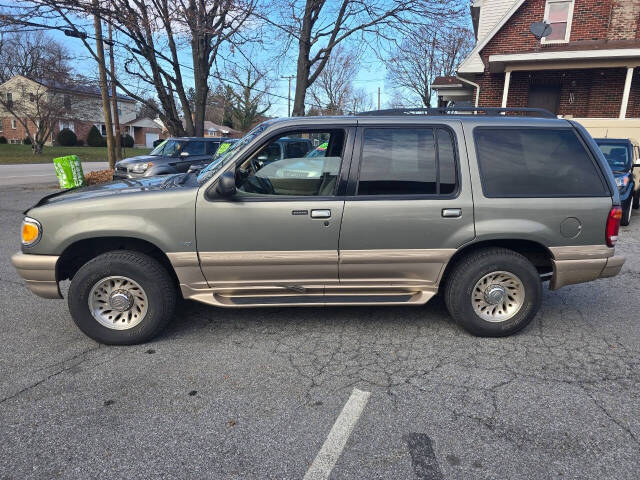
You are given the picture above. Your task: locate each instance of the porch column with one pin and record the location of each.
(505, 93)
(625, 94)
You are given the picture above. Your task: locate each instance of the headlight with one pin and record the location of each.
(31, 231)
(622, 182)
(141, 167)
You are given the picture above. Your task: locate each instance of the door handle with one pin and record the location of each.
(451, 212)
(320, 213)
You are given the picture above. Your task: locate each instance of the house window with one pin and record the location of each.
(13, 124)
(0, 125)
(9, 99)
(69, 124)
(32, 97)
(103, 130)
(67, 102)
(559, 14)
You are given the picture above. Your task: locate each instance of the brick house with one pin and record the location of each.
(80, 108)
(586, 69)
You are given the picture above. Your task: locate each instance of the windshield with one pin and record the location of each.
(617, 154)
(168, 148)
(222, 158)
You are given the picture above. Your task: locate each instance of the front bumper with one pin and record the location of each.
(573, 265)
(39, 273)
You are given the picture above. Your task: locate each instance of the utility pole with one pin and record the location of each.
(378, 98)
(104, 93)
(289, 77)
(114, 98)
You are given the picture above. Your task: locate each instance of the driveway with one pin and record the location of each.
(349, 393)
(38, 173)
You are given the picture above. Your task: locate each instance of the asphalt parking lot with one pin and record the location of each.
(255, 393)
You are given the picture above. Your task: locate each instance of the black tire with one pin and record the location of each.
(468, 271)
(147, 272)
(636, 200)
(626, 213)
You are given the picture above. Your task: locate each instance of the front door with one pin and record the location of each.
(544, 96)
(193, 152)
(281, 229)
(411, 206)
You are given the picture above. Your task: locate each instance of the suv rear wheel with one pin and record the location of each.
(122, 298)
(493, 292)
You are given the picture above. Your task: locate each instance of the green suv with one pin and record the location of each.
(399, 205)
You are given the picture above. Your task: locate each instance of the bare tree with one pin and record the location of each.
(33, 55)
(359, 101)
(423, 56)
(38, 105)
(333, 89)
(317, 27)
(250, 101)
(155, 32)
(39, 70)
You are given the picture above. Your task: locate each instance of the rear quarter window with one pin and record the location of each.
(536, 162)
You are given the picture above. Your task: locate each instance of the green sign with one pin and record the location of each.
(223, 148)
(69, 171)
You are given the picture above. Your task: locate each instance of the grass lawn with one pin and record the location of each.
(22, 153)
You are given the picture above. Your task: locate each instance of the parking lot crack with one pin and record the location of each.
(69, 365)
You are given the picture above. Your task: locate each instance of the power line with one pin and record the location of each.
(73, 32)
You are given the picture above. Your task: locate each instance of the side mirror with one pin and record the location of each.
(226, 184)
(184, 154)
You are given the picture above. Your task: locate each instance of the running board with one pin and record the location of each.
(311, 297)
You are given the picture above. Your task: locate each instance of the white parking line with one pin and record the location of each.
(326, 459)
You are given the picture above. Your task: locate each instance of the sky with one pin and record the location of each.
(371, 75)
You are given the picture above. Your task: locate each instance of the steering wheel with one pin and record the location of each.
(255, 165)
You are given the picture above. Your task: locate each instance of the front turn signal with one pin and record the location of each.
(31, 232)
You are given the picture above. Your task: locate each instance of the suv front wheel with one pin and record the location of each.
(122, 298)
(493, 292)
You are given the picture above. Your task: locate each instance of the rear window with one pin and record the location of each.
(536, 162)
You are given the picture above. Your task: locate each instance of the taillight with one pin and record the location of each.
(613, 226)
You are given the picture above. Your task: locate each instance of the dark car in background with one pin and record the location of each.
(174, 155)
(622, 156)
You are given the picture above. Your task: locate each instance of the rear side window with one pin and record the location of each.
(535, 162)
(407, 161)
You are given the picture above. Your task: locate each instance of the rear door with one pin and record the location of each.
(410, 204)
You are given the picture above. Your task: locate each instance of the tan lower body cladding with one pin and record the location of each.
(573, 265)
(39, 273)
(313, 275)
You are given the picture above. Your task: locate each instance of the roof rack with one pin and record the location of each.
(489, 111)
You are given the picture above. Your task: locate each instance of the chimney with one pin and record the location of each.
(623, 24)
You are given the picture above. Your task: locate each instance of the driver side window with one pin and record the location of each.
(294, 164)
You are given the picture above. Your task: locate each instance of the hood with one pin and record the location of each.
(139, 159)
(120, 187)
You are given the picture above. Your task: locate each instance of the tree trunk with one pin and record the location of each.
(103, 85)
(302, 79)
(114, 100)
